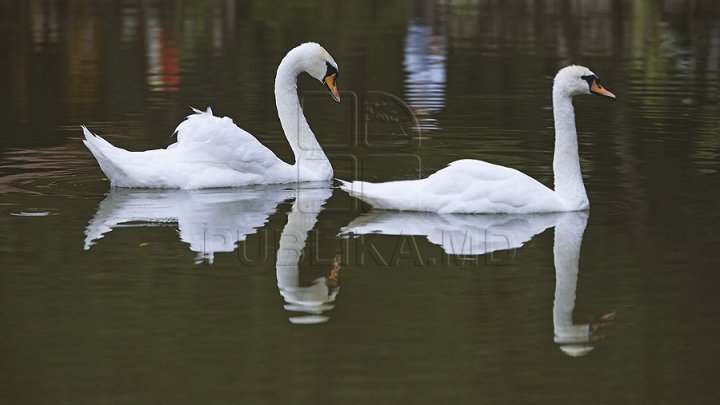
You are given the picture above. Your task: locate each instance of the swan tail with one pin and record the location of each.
(106, 155)
(350, 188)
(379, 195)
(196, 111)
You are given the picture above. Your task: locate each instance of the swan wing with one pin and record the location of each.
(212, 140)
(465, 186)
(210, 152)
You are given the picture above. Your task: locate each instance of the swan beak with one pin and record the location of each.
(330, 82)
(596, 88)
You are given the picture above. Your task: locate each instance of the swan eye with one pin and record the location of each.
(331, 70)
(330, 81)
(590, 79)
(595, 87)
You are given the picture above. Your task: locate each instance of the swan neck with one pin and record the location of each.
(566, 162)
(297, 131)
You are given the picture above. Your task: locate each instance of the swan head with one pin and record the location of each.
(318, 63)
(576, 80)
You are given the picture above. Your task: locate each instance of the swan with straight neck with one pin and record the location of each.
(474, 186)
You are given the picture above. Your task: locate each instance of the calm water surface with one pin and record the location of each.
(139, 296)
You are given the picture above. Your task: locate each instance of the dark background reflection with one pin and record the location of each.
(134, 319)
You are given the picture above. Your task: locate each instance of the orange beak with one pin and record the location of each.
(331, 84)
(598, 89)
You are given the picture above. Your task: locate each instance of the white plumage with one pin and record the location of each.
(214, 152)
(465, 186)
(474, 186)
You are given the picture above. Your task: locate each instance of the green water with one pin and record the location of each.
(122, 296)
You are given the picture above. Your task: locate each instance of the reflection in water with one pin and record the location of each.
(424, 62)
(163, 71)
(210, 221)
(574, 339)
(481, 234)
(216, 220)
(318, 297)
(458, 234)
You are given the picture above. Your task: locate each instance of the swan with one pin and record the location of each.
(213, 152)
(473, 186)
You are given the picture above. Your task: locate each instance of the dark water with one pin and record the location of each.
(122, 296)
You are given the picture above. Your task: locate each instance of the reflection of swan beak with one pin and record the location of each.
(330, 82)
(604, 321)
(596, 88)
(334, 276)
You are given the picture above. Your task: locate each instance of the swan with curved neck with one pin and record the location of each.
(213, 152)
(474, 186)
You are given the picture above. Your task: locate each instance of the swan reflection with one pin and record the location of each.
(482, 234)
(457, 234)
(210, 221)
(215, 220)
(317, 298)
(574, 339)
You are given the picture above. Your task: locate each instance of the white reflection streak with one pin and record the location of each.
(424, 61)
(152, 50)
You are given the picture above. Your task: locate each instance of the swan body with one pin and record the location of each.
(214, 152)
(474, 186)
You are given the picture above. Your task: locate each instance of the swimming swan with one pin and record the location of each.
(474, 186)
(213, 152)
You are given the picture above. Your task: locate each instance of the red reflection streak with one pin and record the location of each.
(169, 62)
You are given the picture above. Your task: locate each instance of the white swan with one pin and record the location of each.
(213, 152)
(474, 186)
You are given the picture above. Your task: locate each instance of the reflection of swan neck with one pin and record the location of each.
(566, 162)
(568, 239)
(317, 297)
(293, 239)
(302, 140)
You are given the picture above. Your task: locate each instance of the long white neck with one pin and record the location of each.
(308, 153)
(566, 163)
